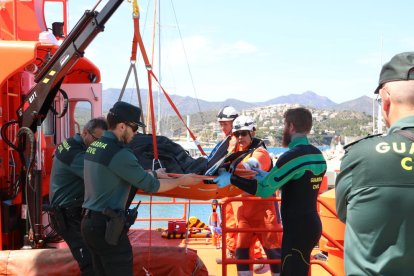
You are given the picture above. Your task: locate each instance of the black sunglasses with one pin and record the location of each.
(134, 126)
(241, 132)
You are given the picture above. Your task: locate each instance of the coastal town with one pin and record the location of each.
(331, 127)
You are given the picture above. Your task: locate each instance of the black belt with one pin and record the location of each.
(91, 213)
(71, 210)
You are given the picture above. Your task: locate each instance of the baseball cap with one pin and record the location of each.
(127, 113)
(399, 68)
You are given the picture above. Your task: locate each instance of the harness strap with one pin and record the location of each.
(178, 114)
(151, 74)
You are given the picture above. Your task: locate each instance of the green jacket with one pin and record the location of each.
(66, 180)
(375, 198)
(110, 170)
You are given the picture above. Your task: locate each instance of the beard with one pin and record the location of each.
(286, 138)
(126, 137)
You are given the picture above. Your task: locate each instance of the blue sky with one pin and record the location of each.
(258, 50)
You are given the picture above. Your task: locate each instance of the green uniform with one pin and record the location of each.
(375, 197)
(66, 196)
(110, 170)
(66, 180)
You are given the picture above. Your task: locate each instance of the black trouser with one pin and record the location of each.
(72, 236)
(300, 235)
(107, 259)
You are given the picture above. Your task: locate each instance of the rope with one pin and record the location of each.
(133, 59)
(150, 235)
(187, 224)
(135, 8)
(178, 114)
(188, 65)
(151, 74)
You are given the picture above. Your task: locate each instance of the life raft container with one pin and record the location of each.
(202, 234)
(178, 228)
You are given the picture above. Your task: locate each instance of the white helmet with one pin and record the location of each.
(227, 113)
(244, 123)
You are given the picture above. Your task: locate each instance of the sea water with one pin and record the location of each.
(172, 211)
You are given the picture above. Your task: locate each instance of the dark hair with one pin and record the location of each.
(94, 123)
(300, 117)
(113, 120)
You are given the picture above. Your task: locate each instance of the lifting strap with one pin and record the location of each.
(138, 39)
(151, 75)
(133, 59)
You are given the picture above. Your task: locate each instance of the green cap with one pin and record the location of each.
(399, 68)
(127, 113)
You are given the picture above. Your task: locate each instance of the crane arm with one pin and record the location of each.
(40, 98)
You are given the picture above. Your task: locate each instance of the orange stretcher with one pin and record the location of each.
(205, 189)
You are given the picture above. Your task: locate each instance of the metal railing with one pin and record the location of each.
(226, 230)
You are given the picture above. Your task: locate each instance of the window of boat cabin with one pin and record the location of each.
(79, 113)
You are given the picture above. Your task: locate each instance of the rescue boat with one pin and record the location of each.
(45, 70)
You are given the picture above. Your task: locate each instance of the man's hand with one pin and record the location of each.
(260, 174)
(188, 179)
(223, 179)
(162, 173)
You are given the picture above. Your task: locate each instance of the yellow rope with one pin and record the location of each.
(135, 7)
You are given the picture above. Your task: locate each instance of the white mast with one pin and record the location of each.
(159, 70)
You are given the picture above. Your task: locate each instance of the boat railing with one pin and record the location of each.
(326, 235)
(225, 230)
(185, 203)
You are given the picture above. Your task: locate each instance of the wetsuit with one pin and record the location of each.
(66, 197)
(110, 170)
(298, 172)
(375, 198)
(255, 214)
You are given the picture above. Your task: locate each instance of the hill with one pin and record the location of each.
(307, 98)
(189, 105)
(361, 104)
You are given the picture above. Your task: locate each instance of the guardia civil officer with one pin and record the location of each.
(375, 188)
(67, 190)
(110, 171)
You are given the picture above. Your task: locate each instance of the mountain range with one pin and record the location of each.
(188, 105)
